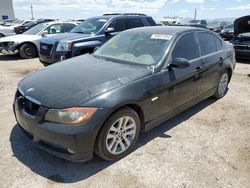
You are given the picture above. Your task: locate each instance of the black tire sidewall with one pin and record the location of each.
(23, 48)
(100, 147)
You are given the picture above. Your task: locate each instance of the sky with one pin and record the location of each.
(82, 9)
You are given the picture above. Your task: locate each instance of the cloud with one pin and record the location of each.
(195, 1)
(241, 7)
(87, 8)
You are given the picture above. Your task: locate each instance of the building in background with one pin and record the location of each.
(6, 10)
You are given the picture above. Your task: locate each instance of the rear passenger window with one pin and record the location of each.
(118, 25)
(208, 43)
(133, 23)
(150, 21)
(68, 27)
(186, 47)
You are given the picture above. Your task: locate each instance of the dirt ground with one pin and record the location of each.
(205, 146)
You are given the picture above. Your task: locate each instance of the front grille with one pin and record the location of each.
(26, 105)
(45, 49)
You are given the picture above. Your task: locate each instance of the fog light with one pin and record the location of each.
(62, 57)
(70, 151)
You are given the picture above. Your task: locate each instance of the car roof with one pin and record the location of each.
(109, 16)
(170, 30)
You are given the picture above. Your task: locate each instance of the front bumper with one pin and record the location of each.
(8, 50)
(74, 143)
(242, 54)
(51, 59)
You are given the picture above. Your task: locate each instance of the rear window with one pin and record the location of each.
(186, 48)
(208, 43)
(150, 21)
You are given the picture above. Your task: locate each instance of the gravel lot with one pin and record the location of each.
(205, 146)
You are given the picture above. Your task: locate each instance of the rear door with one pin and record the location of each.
(181, 85)
(212, 59)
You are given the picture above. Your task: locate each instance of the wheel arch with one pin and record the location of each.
(28, 42)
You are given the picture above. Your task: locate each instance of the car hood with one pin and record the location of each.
(20, 38)
(64, 37)
(77, 80)
(242, 25)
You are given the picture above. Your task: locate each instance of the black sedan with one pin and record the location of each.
(100, 103)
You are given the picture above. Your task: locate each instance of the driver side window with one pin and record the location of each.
(118, 25)
(55, 28)
(186, 47)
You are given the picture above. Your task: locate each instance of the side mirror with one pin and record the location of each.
(44, 33)
(96, 48)
(110, 30)
(179, 63)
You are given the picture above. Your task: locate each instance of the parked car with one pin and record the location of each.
(92, 33)
(227, 32)
(9, 29)
(24, 27)
(27, 44)
(190, 25)
(201, 22)
(140, 78)
(241, 40)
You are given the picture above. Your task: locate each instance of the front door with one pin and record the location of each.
(181, 85)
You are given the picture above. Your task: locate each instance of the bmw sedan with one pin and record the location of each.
(101, 102)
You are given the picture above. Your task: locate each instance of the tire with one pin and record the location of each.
(28, 51)
(120, 141)
(222, 87)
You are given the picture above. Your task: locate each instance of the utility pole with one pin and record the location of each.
(31, 9)
(195, 13)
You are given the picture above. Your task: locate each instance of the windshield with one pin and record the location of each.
(133, 47)
(90, 26)
(36, 29)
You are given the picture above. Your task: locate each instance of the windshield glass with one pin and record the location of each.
(36, 29)
(133, 47)
(90, 26)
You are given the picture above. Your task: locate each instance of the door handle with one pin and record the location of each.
(197, 69)
(221, 61)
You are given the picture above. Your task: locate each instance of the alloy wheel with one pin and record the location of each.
(121, 135)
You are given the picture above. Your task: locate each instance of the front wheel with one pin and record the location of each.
(28, 51)
(222, 87)
(118, 135)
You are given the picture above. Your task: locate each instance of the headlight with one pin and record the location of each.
(63, 46)
(73, 116)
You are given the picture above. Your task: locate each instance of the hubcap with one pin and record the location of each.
(120, 135)
(223, 84)
(28, 51)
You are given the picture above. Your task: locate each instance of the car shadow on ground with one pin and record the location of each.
(59, 170)
(10, 57)
(243, 61)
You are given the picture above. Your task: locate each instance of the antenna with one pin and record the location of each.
(31, 10)
(195, 13)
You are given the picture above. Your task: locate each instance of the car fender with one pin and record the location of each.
(85, 45)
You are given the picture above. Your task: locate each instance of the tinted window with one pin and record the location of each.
(55, 28)
(186, 48)
(132, 23)
(68, 27)
(207, 43)
(151, 21)
(118, 25)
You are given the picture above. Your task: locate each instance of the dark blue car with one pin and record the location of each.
(92, 33)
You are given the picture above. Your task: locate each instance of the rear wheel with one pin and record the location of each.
(28, 51)
(118, 135)
(222, 87)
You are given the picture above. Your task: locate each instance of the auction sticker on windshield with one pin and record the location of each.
(161, 36)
